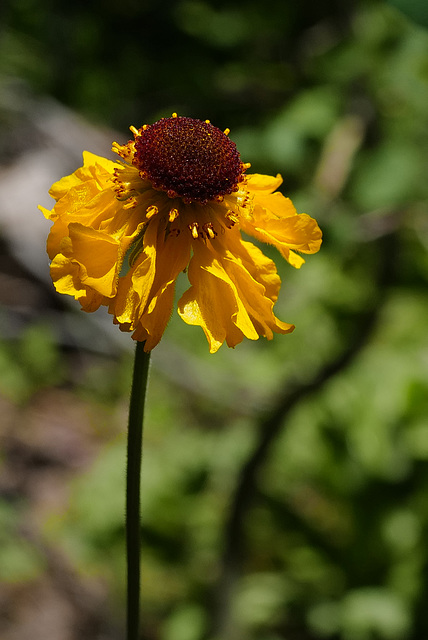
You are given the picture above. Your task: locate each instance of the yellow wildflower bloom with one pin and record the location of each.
(177, 199)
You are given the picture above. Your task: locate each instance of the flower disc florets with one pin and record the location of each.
(188, 158)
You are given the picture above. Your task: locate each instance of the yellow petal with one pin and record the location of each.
(134, 288)
(93, 167)
(92, 300)
(65, 275)
(261, 268)
(84, 204)
(172, 257)
(258, 307)
(132, 291)
(49, 215)
(226, 301)
(289, 233)
(275, 204)
(260, 182)
(300, 233)
(91, 160)
(209, 304)
(293, 258)
(98, 252)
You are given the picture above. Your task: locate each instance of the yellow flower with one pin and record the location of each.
(177, 200)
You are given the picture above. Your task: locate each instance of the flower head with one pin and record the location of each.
(176, 200)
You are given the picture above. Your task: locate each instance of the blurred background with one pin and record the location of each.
(285, 483)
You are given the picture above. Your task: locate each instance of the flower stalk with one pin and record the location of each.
(133, 481)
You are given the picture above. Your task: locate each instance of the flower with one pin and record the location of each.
(176, 200)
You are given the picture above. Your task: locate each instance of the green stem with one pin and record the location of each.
(133, 473)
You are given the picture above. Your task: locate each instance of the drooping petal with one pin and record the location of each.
(66, 276)
(274, 220)
(258, 306)
(211, 304)
(126, 305)
(226, 301)
(257, 284)
(97, 252)
(82, 215)
(172, 257)
(261, 268)
(92, 300)
(134, 288)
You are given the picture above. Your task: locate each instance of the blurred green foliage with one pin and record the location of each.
(334, 96)
(31, 363)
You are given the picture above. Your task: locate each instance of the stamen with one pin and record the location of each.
(125, 151)
(242, 198)
(122, 188)
(226, 132)
(131, 203)
(121, 193)
(134, 130)
(151, 211)
(209, 230)
(173, 214)
(194, 228)
(231, 219)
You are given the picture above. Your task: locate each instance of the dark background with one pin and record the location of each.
(285, 483)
